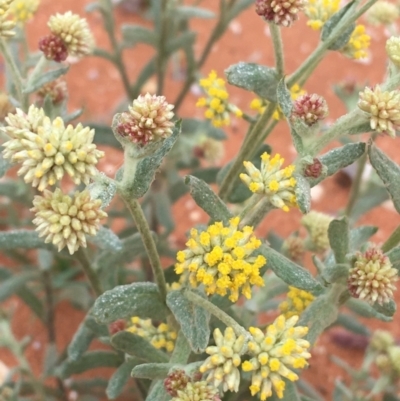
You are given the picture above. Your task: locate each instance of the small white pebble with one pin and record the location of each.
(37, 345)
(236, 27)
(267, 32)
(195, 215)
(388, 205)
(73, 395)
(189, 204)
(317, 192)
(93, 74)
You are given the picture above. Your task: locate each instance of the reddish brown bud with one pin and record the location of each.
(117, 326)
(281, 12)
(177, 380)
(313, 170)
(54, 48)
(310, 108)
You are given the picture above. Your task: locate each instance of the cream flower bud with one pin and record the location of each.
(381, 340)
(74, 32)
(23, 10)
(225, 357)
(6, 24)
(382, 12)
(383, 109)
(148, 120)
(310, 108)
(317, 225)
(393, 50)
(65, 221)
(50, 149)
(197, 391)
(372, 277)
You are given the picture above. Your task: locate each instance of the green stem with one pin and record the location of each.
(278, 48)
(161, 62)
(355, 188)
(254, 218)
(18, 80)
(251, 204)
(392, 241)
(181, 351)
(141, 223)
(91, 275)
(218, 313)
(245, 152)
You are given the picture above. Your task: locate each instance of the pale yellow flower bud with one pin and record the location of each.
(382, 12)
(65, 221)
(6, 24)
(317, 225)
(23, 10)
(393, 50)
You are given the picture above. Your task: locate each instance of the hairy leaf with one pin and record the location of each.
(134, 34)
(303, 194)
(80, 342)
(284, 98)
(119, 378)
(365, 310)
(338, 233)
(106, 239)
(188, 12)
(152, 371)
(37, 82)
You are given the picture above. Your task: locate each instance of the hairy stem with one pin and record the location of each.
(254, 218)
(17, 77)
(217, 312)
(392, 241)
(245, 152)
(278, 48)
(91, 275)
(141, 223)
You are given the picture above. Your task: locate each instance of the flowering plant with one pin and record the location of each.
(184, 322)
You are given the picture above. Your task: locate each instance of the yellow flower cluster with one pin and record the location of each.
(276, 183)
(296, 303)
(260, 105)
(218, 107)
(221, 259)
(222, 364)
(23, 10)
(160, 337)
(319, 11)
(358, 44)
(273, 352)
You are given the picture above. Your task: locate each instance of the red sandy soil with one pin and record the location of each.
(94, 84)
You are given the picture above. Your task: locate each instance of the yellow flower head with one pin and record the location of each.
(160, 337)
(224, 360)
(296, 303)
(358, 44)
(260, 105)
(281, 347)
(23, 10)
(272, 181)
(216, 102)
(319, 11)
(221, 259)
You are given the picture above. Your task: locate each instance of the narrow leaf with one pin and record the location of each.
(284, 98)
(188, 12)
(205, 197)
(49, 76)
(351, 323)
(194, 320)
(338, 233)
(389, 173)
(119, 378)
(365, 310)
(256, 78)
(125, 301)
(158, 393)
(80, 342)
(15, 283)
(152, 371)
(134, 34)
(303, 194)
(135, 345)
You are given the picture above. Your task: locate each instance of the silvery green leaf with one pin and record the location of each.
(147, 167)
(158, 393)
(15, 283)
(93, 7)
(331, 24)
(389, 173)
(297, 141)
(365, 310)
(135, 345)
(360, 128)
(387, 309)
(119, 378)
(334, 273)
(372, 196)
(37, 82)
(303, 193)
(351, 323)
(80, 342)
(100, 330)
(102, 188)
(339, 158)
(289, 272)
(194, 320)
(341, 392)
(259, 79)
(50, 359)
(72, 116)
(106, 239)
(125, 301)
(205, 198)
(163, 211)
(338, 233)
(319, 315)
(134, 34)
(188, 12)
(284, 98)
(360, 235)
(90, 360)
(4, 164)
(152, 371)
(25, 239)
